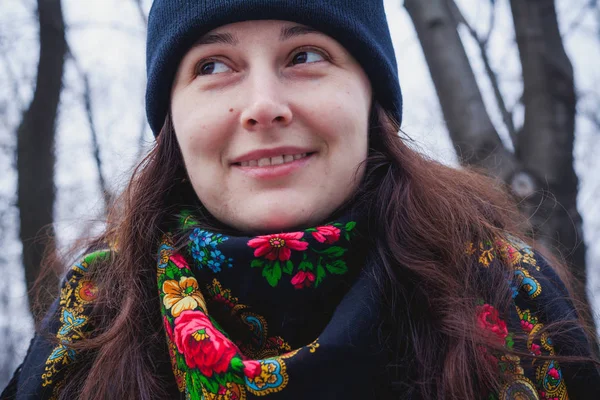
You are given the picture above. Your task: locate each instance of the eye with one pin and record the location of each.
(307, 56)
(211, 67)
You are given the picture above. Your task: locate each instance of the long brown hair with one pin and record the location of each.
(421, 214)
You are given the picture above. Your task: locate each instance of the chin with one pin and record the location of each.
(276, 219)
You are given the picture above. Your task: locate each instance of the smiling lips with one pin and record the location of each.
(273, 164)
(269, 161)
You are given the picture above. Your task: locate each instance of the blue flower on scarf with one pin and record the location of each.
(203, 247)
(206, 239)
(199, 253)
(217, 259)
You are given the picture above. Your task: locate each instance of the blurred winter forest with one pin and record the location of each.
(510, 86)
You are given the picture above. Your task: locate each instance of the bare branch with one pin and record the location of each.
(89, 110)
(492, 23)
(113, 26)
(591, 115)
(590, 5)
(598, 20)
(473, 135)
(140, 9)
(482, 43)
(87, 98)
(12, 77)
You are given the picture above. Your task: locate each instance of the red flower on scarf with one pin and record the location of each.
(252, 368)
(179, 261)
(327, 233)
(277, 246)
(526, 325)
(202, 345)
(303, 279)
(488, 319)
(168, 327)
(545, 396)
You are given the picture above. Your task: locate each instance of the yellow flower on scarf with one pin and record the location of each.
(183, 295)
(266, 376)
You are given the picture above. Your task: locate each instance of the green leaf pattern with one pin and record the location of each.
(316, 263)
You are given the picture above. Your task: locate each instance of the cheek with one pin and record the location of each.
(344, 108)
(349, 140)
(345, 130)
(202, 131)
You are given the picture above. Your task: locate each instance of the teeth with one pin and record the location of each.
(277, 160)
(263, 162)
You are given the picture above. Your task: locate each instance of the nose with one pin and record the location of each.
(266, 108)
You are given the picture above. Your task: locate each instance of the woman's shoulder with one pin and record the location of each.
(50, 353)
(531, 275)
(539, 295)
(90, 257)
(78, 288)
(542, 323)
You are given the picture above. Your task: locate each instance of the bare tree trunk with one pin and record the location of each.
(545, 145)
(35, 142)
(541, 170)
(474, 137)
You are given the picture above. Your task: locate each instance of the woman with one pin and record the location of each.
(281, 239)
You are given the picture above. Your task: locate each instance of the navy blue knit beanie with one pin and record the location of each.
(359, 25)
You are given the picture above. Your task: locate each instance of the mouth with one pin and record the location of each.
(274, 161)
(276, 167)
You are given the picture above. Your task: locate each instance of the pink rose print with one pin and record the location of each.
(526, 325)
(201, 344)
(488, 319)
(278, 246)
(545, 396)
(252, 369)
(221, 299)
(179, 261)
(553, 372)
(168, 328)
(327, 234)
(536, 349)
(303, 279)
(87, 291)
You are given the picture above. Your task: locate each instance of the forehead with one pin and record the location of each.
(232, 33)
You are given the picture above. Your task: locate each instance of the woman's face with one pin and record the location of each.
(272, 121)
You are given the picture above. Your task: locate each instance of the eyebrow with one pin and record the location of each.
(287, 32)
(223, 38)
